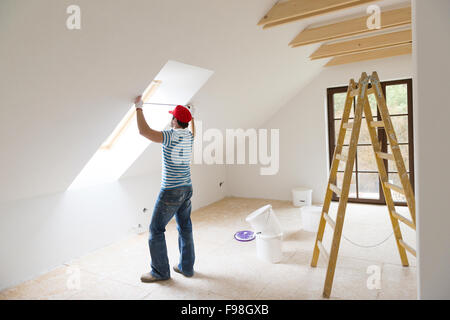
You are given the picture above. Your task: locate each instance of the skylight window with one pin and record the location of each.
(176, 83)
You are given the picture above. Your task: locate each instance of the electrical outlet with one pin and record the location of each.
(139, 229)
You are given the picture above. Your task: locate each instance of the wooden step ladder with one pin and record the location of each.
(361, 91)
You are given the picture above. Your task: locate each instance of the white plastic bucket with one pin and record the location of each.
(265, 221)
(301, 196)
(311, 217)
(269, 247)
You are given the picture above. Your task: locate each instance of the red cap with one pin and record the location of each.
(181, 113)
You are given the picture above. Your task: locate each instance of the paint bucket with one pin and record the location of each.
(269, 247)
(264, 221)
(301, 197)
(268, 234)
(311, 217)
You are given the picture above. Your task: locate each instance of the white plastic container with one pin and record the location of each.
(269, 247)
(269, 234)
(265, 221)
(301, 196)
(311, 217)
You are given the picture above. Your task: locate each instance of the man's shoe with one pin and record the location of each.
(175, 268)
(148, 277)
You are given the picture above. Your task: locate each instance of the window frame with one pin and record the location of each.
(381, 136)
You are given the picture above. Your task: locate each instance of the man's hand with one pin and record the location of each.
(138, 103)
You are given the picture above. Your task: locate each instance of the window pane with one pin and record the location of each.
(339, 104)
(400, 125)
(343, 163)
(404, 149)
(395, 179)
(352, 110)
(366, 159)
(337, 126)
(397, 98)
(373, 105)
(348, 133)
(364, 136)
(368, 186)
(352, 192)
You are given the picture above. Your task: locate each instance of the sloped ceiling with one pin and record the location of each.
(63, 91)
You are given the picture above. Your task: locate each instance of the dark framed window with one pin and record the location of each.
(365, 185)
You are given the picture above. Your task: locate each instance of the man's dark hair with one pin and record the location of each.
(184, 125)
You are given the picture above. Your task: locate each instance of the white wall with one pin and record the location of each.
(64, 91)
(303, 134)
(431, 22)
(40, 233)
(67, 89)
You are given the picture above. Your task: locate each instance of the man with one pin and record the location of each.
(174, 197)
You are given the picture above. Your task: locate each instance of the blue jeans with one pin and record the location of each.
(172, 202)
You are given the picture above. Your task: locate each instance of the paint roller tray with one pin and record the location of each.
(244, 235)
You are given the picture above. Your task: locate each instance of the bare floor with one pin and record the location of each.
(367, 267)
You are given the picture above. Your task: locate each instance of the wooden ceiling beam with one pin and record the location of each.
(371, 55)
(339, 30)
(293, 10)
(363, 44)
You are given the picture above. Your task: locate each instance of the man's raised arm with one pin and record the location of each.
(144, 129)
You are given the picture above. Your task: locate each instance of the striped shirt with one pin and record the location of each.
(177, 154)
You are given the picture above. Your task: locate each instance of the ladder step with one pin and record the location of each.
(329, 220)
(348, 125)
(323, 251)
(407, 247)
(335, 189)
(394, 187)
(384, 155)
(371, 90)
(341, 157)
(404, 220)
(375, 124)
